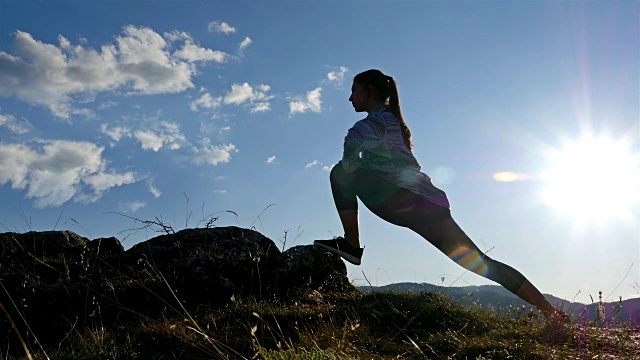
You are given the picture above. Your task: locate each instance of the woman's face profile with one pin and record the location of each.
(359, 97)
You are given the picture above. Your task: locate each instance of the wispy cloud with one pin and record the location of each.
(312, 164)
(152, 132)
(206, 101)
(317, 163)
(337, 76)
(132, 206)
(107, 105)
(208, 154)
(312, 102)
(20, 127)
(221, 27)
(103, 181)
(271, 159)
(153, 189)
(16, 126)
(261, 107)
(245, 43)
(116, 133)
(6, 118)
(159, 135)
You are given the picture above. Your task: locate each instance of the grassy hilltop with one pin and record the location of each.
(104, 303)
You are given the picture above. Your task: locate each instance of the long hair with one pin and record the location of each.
(388, 92)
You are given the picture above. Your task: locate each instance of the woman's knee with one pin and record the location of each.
(338, 176)
(336, 171)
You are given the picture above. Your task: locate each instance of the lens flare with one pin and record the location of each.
(507, 176)
(469, 259)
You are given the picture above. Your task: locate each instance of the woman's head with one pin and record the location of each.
(376, 83)
(383, 89)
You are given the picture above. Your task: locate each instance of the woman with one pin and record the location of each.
(378, 167)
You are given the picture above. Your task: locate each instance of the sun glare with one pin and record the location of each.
(593, 179)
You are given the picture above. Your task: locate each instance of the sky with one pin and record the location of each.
(525, 113)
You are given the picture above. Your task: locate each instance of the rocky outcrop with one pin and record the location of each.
(51, 280)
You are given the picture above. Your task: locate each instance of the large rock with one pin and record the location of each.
(56, 277)
(43, 243)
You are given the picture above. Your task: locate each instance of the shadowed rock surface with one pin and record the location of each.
(56, 279)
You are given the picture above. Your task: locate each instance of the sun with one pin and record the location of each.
(595, 178)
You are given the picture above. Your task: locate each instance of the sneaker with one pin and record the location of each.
(341, 247)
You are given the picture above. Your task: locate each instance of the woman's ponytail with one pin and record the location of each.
(388, 91)
(394, 108)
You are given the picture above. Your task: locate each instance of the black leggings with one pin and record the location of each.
(394, 204)
(433, 222)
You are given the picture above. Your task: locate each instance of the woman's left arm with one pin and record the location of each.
(366, 134)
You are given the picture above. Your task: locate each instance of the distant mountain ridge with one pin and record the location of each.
(498, 298)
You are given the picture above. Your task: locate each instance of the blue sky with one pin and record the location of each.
(183, 110)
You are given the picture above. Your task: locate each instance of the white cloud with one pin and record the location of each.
(160, 134)
(337, 76)
(151, 132)
(271, 159)
(154, 190)
(139, 62)
(245, 43)
(64, 43)
(326, 168)
(261, 107)
(176, 36)
(115, 133)
(221, 27)
(212, 154)
(220, 191)
(312, 102)
(133, 206)
(312, 164)
(240, 94)
(65, 110)
(206, 101)
(149, 139)
(246, 94)
(192, 53)
(102, 181)
(52, 172)
(145, 60)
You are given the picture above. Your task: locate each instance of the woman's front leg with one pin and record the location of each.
(345, 199)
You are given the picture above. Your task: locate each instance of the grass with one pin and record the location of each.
(376, 325)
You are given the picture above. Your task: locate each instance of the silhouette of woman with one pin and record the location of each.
(378, 167)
